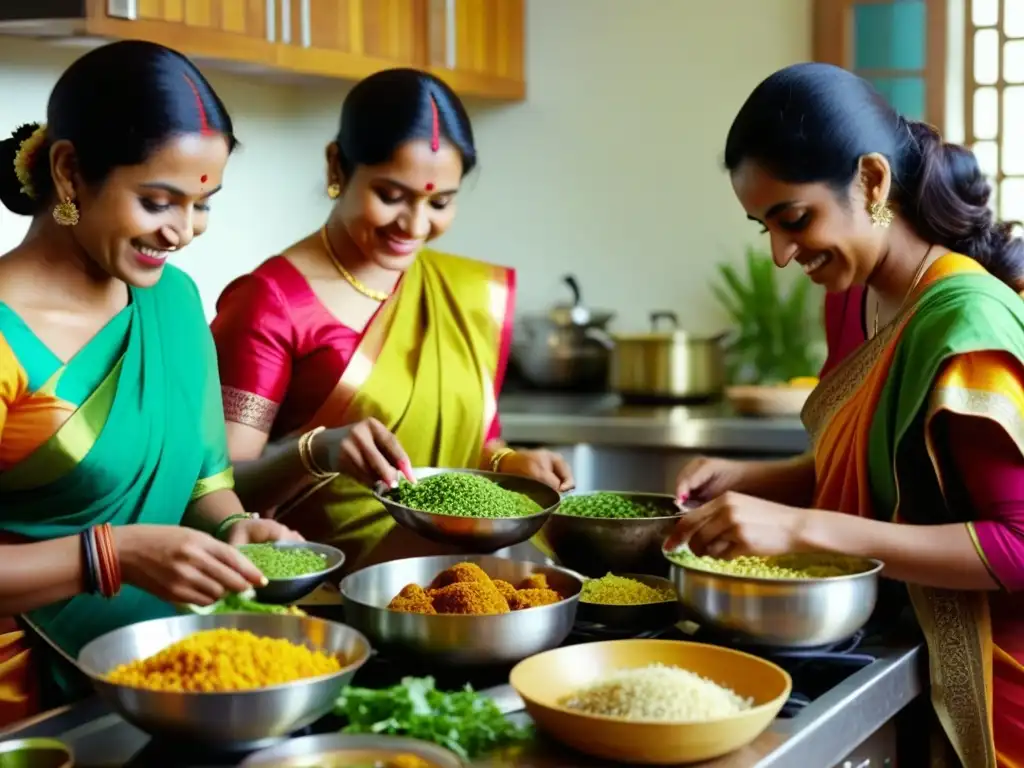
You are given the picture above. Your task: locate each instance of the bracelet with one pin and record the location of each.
(307, 459)
(500, 456)
(92, 583)
(109, 563)
(220, 532)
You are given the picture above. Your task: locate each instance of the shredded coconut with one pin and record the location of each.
(657, 692)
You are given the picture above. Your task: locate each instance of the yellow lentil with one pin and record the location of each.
(620, 590)
(778, 567)
(224, 660)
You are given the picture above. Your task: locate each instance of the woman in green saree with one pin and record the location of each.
(113, 458)
(918, 423)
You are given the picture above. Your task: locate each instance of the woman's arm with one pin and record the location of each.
(40, 573)
(270, 474)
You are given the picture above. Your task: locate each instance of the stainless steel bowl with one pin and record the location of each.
(786, 613)
(242, 719)
(35, 753)
(595, 546)
(330, 748)
(455, 639)
(636, 617)
(476, 534)
(284, 591)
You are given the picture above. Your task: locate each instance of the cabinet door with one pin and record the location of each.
(236, 30)
(478, 45)
(899, 45)
(352, 38)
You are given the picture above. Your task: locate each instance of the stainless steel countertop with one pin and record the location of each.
(551, 419)
(822, 733)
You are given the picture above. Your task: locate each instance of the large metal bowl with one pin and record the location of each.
(285, 591)
(458, 639)
(475, 534)
(595, 546)
(783, 613)
(237, 720)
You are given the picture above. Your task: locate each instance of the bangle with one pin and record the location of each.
(221, 531)
(307, 459)
(109, 563)
(92, 584)
(498, 457)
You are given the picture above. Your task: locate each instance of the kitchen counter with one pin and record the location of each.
(820, 735)
(604, 420)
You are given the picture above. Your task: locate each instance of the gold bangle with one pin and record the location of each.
(306, 456)
(500, 456)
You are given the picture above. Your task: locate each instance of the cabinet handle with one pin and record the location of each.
(123, 9)
(449, 34)
(271, 20)
(286, 21)
(305, 26)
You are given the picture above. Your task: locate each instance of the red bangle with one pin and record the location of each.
(110, 565)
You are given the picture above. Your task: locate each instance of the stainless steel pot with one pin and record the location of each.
(672, 365)
(565, 348)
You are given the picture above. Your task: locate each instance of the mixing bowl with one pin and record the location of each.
(787, 613)
(635, 617)
(35, 753)
(285, 591)
(476, 534)
(595, 546)
(354, 751)
(502, 638)
(543, 680)
(241, 719)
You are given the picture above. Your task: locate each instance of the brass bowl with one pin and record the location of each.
(543, 680)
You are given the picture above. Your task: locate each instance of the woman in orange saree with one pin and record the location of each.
(918, 434)
(398, 350)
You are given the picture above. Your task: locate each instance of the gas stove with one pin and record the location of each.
(101, 739)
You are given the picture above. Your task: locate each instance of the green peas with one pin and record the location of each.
(284, 562)
(463, 495)
(609, 505)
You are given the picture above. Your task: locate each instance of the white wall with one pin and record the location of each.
(610, 169)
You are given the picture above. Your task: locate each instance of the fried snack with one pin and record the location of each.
(412, 599)
(459, 573)
(469, 597)
(533, 598)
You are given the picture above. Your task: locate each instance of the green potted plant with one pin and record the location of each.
(778, 334)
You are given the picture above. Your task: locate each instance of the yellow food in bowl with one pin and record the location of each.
(218, 660)
(778, 567)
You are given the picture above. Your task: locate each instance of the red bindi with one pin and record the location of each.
(430, 186)
(203, 178)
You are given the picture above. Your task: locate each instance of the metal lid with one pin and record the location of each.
(674, 334)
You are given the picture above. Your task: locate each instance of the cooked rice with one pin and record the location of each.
(657, 692)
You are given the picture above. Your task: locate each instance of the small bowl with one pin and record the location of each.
(481, 535)
(458, 640)
(35, 753)
(638, 617)
(595, 546)
(543, 680)
(230, 720)
(285, 591)
(339, 749)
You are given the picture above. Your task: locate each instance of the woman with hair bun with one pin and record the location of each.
(114, 466)
(359, 351)
(918, 423)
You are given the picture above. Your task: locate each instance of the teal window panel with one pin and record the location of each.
(906, 94)
(890, 35)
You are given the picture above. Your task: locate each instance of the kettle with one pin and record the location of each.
(566, 348)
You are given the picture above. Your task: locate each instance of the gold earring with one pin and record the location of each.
(334, 190)
(66, 213)
(881, 214)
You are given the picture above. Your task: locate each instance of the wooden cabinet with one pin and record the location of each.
(475, 45)
(899, 45)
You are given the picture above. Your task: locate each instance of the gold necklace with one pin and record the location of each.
(349, 277)
(917, 278)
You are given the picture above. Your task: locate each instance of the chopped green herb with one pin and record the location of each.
(465, 722)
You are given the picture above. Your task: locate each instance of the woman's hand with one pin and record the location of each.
(705, 478)
(258, 530)
(182, 565)
(546, 466)
(734, 525)
(366, 450)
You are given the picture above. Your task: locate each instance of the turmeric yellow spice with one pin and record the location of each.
(224, 660)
